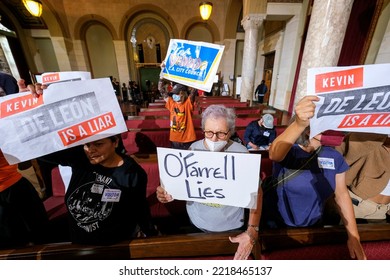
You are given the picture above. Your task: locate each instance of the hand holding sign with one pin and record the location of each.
(305, 110)
(162, 195)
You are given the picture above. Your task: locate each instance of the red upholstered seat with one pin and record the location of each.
(375, 250)
(55, 205)
(145, 141)
(280, 129)
(265, 168)
(159, 210)
(147, 123)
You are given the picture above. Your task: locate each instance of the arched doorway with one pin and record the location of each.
(148, 38)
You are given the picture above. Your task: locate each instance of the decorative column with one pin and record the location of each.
(328, 23)
(251, 24)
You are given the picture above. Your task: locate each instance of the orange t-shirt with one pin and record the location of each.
(182, 126)
(9, 174)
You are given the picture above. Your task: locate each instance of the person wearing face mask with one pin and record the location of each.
(368, 179)
(218, 123)
(306, 174)
(181, 107)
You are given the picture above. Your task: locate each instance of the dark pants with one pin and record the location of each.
(180, 145)
(260, 99)
(23, 218)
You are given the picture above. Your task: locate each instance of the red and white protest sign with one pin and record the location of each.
(66, 115)
(355, 98)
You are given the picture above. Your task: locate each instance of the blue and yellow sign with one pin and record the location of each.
(192, 63)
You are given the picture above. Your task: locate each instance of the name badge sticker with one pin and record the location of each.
(111, 195)
(326, 163)
(97, 188)
(266, 133)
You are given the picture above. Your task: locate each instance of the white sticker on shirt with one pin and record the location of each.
(326, 163)
(97, 188)
(266, 133)
(110, 195)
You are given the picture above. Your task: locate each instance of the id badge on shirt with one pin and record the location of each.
(111, 195)
(266, 133)
(97, 188)
(326, 163)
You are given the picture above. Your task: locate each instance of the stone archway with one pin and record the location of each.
(147, 39)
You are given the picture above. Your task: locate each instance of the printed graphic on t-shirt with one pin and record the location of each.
(178, 121)
(92, 202)
(214, 205)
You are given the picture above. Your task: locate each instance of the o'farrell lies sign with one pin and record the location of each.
(217, 178)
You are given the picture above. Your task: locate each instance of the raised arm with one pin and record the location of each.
(304, 111)
(162, 90)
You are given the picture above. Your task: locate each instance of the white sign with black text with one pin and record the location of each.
(210, 177)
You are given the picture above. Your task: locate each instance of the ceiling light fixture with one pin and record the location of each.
(205, 9)
(34, 7)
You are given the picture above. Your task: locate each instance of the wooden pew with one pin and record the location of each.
(219, 101)
(195, 245)
(156, 105)
(146, 140)
(161, 112)
(158, 112)
(154, 121)
(288, 243)
(247, 110)
(212, 98)
(203, 106)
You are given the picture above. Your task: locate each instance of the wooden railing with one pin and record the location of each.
(198, 245)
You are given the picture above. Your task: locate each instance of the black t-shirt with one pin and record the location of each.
(106, 205)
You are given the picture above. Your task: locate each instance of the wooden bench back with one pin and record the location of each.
(214, 245)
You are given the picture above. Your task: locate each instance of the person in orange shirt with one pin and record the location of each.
(23, 218)
(181, 107)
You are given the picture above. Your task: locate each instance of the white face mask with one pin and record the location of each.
(176, 97)
(215, 146)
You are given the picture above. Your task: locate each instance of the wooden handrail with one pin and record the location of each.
(196, 244)
(172, 246)
(196, 128)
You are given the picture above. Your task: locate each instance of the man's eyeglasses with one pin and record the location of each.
(219, 134)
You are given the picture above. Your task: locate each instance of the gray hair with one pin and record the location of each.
(217, 111)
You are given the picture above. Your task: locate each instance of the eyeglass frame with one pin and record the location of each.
(225, 134)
